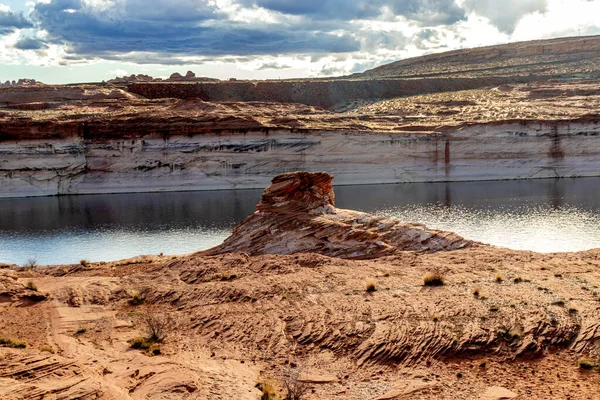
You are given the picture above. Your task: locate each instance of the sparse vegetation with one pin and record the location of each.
(295, 388)
(587, 363)
(476, 291)
(31, 286)
(47, 349)
(81, 331)
(371, 285)
(433, 278)
(499, 278)
(559, 302)
(31, 263)
(156, 326)
(269, 390)
(156, 333)
(15, 344)
(84, 263)
(137, 299)
(518, 279)
(494, 308)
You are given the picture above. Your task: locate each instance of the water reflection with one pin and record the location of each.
(541, 215)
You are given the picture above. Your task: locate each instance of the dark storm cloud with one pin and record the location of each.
(168, 31)
(10, 20)
(505, 14)
(426, 12)
(29, 43)
(174, 27)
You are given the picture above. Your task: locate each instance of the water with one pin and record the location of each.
(540, 215)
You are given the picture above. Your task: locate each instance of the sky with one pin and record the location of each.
(68, 41)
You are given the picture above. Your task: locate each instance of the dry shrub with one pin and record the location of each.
(295, 388)
(371, 285)
(433, 278)
(156, 326)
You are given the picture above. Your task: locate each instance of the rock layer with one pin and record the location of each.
(297, 214)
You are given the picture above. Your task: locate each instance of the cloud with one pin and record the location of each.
(273, 65)
(176, 28)
(424, 11)
(506, 14)
(10, 21)
(29, 43)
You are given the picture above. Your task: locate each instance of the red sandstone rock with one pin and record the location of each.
(297, 214)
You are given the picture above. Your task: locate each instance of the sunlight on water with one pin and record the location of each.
(537, 228)
(540, 215)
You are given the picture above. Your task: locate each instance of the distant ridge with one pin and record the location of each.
(570, 57)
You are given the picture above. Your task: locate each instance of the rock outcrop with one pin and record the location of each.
(297, 214)
(26, 82)
(189, 77)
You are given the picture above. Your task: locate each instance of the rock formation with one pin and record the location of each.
(133, 79)
(297, 214)
(26, 82)
(189, 77)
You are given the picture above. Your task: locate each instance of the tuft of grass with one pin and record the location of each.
(433, 278)
(47, 349)
(559, 302)
(31, 286)
(81, 331)
(269, 390)
(499, 278)
(476, 291)
(371, 285)
(84, 263)
(140, 343)
(587, 363)
(136, 299)
(14, 344)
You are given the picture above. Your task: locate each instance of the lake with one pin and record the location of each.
(542, 215)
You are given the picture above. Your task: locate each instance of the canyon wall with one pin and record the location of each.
(77, 164)
(321, 93)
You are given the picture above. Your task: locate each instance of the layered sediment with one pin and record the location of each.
(262, 308)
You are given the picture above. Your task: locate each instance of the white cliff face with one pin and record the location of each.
(230, 161)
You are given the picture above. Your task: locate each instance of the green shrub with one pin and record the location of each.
(12, 343)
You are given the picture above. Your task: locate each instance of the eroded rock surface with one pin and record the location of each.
(297, 214)
(238, 318)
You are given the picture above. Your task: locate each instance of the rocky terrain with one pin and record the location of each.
(379, 309)
(385, 126)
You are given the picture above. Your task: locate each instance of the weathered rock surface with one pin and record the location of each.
(297, 214)
(104, 140)
(238, 318)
